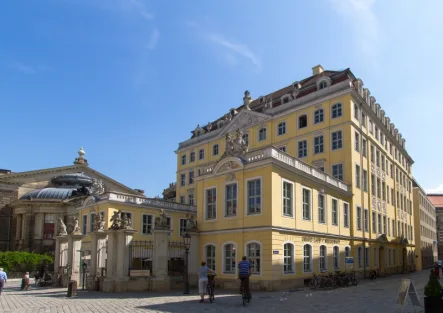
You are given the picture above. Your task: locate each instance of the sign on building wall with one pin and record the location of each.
(349, 263)
(320, 240)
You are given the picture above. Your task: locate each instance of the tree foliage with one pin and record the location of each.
(17, 261)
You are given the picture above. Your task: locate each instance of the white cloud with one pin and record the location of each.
(27, 69)
(439, 189)
(235, 49)
(153, 40)
(363, 21)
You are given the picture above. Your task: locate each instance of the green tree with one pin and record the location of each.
(17, 261)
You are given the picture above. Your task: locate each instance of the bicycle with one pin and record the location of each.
(245, 297)
(210, 287)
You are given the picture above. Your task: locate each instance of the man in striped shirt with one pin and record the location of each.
(244, 271)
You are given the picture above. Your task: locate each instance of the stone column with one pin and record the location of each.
(18, 230)
(108, 281)
(61, 259)
(38, 226)
(194, 258)
(74, 257)
(161, 281)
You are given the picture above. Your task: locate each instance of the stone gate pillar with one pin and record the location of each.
(97, 238)
(74, 257)
(194, 258)
(160, 281)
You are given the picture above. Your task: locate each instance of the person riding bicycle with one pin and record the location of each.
(244, 271)
(203, 279)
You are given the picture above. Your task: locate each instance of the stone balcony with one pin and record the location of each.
(276, 154)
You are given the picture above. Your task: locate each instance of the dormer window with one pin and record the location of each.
(322, 85)
(303, 121)
(285, 100)
(323, 82)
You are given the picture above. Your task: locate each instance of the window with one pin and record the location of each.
(363, 118)
(357, 142)
(288, 258)
(302, 121)
(302, 148)
(392, 196)
(91, 224)
(211, 204)
(335, 257)
(283, 148)
(373, 184)
(254, 196)
(378, 188)
(246, 139)
(84, 224)
(379, 223)
(360, 260)
(281, 129)
(367, 256)
(387, 194)
(383, 162)
(191, 177)
(336, 110)
(201, 154)
(359, 218)
(321, 209)
(334, 212)
(262, 134)
(384, 225)
(183, 159)
(192, 157)
(365, 181)
(285, 100)
(182, 179)
(182, 199)
(183, 226)
(322, 85)
(345, 215)
(287, 198)
(147, 223)
(306, 204)
(191, 199)
(49, 226)
(371, 126)
(374, 222)
(377, 157)
(321, 169)
(364, 147)
(357, 176)
(372, 154)
(382, 138)
(366, 220)
(230, 265)
(347, 252)
(383, 190)
(337, 141)
(392, 170)
(356, 115)
(210, 257)
(337, 171)
(215, 150)
(254, 256)
(323, 259)
(376, 133)
(318, 144)
(318, 116)
(231, 200)
(307, 258)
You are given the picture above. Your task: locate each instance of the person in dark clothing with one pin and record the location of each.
(437, 270)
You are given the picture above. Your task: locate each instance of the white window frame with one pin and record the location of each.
(281, 125)
(215, 148)
(346, 218)
(357, 141)
(191, 196)
(324, 221)
(291, 258)
(322, 145)
(337, 215)
(358, 220)
(201, 154)
(152, 224)
(321, 114)
(305, 149)
(282, 148)
(292, 202)
(180, 226)
(182, 180)
(335, 257)
(332, 170)
(337, 140)
(358, 179)
(247, 213)
(183, 159)
(366, 220)
(338, 109)
(303, 188)
(225, 206)
(234, 247)
(298, 120)
(325, 259)
(311, 268)
(214, 258)
(192, 157)
(206, 203)
(260, 257)
(264, 131)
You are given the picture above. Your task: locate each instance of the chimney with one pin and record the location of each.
(317, 70)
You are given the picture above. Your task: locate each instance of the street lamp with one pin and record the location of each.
(187, 243)
(84, 273)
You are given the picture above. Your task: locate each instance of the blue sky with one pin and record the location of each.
(129, 79)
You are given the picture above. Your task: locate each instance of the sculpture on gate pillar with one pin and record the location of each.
(61, 228)
(125, 223)
(161, 222)
(192, 223)
(99, 224)
(75, 228)
(116, 220)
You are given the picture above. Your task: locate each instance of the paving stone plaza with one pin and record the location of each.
(369, 296)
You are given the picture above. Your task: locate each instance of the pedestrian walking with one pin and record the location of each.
(3, 279)
(437, 270)
(25, 282)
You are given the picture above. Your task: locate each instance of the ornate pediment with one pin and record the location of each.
(245, 119)
(228, 164)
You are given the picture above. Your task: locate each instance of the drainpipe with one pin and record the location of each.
(9, 229)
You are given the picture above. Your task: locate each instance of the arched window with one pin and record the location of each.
(336, 110)
(336, 257)
(210, 256)
(347, 252)
(254, 255)
(307, 258)
(288, 255)
(318, 116)
(323, 259)
(323, 84)
(281, 129)
(262, 134)
(229, 258)
(303, 121)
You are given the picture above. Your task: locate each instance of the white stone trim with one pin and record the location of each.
(246, 196)
(292, 215)
(326, 258)
(311, 258)
(224, 257)
(261, 255)
(294, 271)
(227, 183)
(205, 201)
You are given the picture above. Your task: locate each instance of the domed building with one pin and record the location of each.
(33, 203)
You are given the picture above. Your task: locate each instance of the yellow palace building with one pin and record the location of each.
(298, 180)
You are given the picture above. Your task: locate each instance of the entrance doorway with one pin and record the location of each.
(405, 259)
(381, 260)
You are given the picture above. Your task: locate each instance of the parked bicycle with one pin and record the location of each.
(329, 280)
(210, 287)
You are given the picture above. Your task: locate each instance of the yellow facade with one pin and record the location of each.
(335, 127)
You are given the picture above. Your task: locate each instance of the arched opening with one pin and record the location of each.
(381, 260)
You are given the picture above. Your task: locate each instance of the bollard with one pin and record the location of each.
(72, 288)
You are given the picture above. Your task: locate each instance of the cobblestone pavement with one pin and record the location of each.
(370, 296)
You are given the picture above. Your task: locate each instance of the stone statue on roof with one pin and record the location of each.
(247, 99)
(61, 228)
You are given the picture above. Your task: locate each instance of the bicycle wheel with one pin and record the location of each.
(313, 284)
(209, 291)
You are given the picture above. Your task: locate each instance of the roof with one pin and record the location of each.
(436, 199)
(49, 193)
(307, 86)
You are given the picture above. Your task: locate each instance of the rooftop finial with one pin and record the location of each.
(81, 157)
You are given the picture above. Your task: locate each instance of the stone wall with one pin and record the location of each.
(8, 227)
